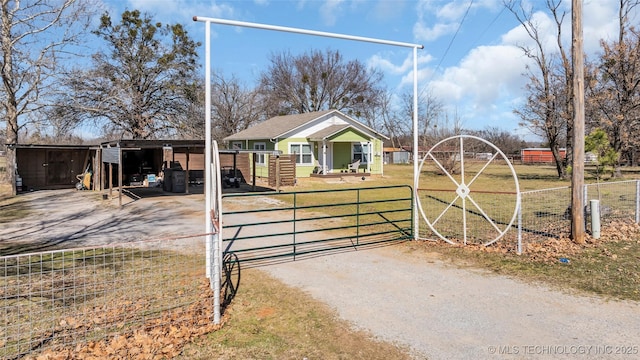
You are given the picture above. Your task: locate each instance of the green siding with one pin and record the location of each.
(342, 148)
(341, 155)
(301, 170)
(349, 135)
(261, 170)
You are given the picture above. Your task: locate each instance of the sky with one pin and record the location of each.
(471, 61)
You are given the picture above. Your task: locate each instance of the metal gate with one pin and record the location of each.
(276, 226)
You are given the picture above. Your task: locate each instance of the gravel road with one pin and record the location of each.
(402, 296)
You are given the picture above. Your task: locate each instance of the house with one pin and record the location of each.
(539, 155)
(323, 142)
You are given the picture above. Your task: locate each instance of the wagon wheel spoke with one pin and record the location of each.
(484, 214)
(445, 210)
(443, 169)
(477, 221)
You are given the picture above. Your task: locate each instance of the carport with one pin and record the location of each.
(128, 164)
(143, 163)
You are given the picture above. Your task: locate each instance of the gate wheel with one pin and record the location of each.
(231, 277)
(454, 207)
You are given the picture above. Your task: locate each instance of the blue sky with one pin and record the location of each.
(470, 61)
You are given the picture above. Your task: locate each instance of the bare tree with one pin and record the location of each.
(506, 141)
(548, 111)
(614, 89)
(319, 81)
(431, 111)
(35, 36)
(395, 124)
(234, 108)
(142, 84)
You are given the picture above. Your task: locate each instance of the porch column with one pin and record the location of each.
(369, 156)
(324, 157)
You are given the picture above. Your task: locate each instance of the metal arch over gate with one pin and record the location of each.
(211, 188)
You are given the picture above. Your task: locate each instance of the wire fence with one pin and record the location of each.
(546, 213)
(543, 214)
(64, 299)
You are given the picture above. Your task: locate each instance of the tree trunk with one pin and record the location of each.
(11, 169)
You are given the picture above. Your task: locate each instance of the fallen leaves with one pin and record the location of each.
(160, 338)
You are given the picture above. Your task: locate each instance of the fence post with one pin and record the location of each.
(595, 218)
(585, 192)
(637, 201)
(357, 216)
(519, 247)
(295, 206)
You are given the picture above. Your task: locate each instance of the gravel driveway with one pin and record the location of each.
(409, 298)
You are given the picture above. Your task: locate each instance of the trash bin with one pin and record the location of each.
(178, 181)
(166, 184)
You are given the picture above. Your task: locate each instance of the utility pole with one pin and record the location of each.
(577, 174)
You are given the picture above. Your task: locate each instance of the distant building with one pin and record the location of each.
(396, 155)
(539, 155)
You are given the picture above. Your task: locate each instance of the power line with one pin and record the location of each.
(454, 35)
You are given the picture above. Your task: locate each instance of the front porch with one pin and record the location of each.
(340, 175)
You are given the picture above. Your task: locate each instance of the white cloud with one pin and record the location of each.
(181, 11)
(330, 11)
(388, 66)
(436, 21)
(486, 73)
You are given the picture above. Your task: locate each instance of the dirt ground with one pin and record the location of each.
(438, 310)
(63, 219)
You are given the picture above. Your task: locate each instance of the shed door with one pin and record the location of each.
(58, 170)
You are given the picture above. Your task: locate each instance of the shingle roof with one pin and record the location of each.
(328, 131)
(276, 126)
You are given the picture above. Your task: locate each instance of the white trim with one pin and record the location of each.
(364, 154)
(236, 145)
(260, 160)
(311, 160)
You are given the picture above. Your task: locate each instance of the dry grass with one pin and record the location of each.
(269, 320)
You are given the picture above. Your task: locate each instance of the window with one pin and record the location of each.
(361, 152)
(302, 152)
(260, 157)
(236, 145)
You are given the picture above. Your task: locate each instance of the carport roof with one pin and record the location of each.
(153, 144)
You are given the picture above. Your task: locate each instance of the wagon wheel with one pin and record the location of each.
(468, 191)
(231, 278)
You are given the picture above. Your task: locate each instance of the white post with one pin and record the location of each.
(211, 251)
(324, 157)
(416, 176)
(595, 218)
(369, 156)
(637, 201)
(519, 247)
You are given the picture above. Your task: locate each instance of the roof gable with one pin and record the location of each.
(276, 126)
(287, 125)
